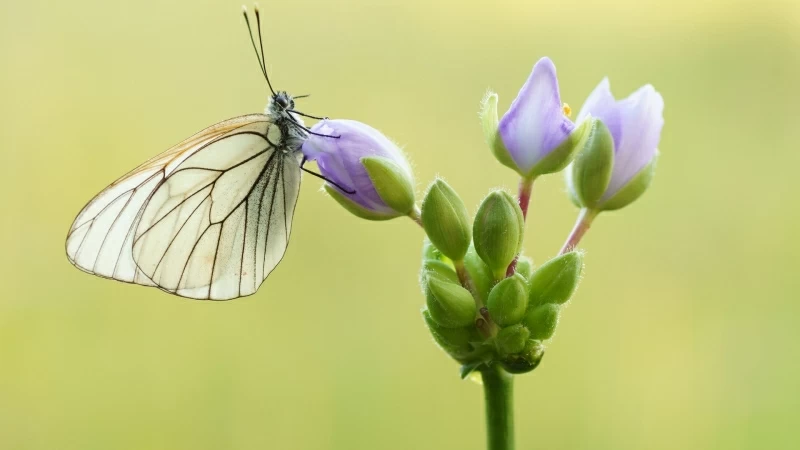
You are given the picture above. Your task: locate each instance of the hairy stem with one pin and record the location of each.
(416, 215)
(524, 199)
(498, 390)
(585, 218)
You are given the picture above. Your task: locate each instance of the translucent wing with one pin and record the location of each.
(227, 184)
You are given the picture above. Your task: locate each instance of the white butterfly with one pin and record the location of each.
(211, 217)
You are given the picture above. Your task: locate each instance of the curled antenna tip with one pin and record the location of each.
(255, 7)
(244, 9)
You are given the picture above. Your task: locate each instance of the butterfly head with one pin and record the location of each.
(281, 101)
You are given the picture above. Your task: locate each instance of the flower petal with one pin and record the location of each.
(601, 105)
(641, 119)
(339, 159)
(535, 123)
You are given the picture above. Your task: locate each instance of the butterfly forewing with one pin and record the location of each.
(207, 219)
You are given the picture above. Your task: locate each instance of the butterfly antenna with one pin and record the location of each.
(260, 57)
(261, 43)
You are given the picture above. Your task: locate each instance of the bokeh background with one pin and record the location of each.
(683, 335)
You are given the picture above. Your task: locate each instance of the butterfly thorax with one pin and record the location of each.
(279, 109)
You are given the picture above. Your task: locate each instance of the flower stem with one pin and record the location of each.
(524, 199)
(416, 215)
(498, 390)
(585, 218)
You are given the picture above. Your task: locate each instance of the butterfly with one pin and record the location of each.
(209, 218)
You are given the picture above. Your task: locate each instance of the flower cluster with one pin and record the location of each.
(486, 305)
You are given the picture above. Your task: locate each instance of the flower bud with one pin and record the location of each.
(524, 267)
(449, 304)
(604, 179)
(429, 251)
(365, 161)
(498, 231)
(446, 220)
(456, 342)
(439, 269)
(556, 280)
(542, 321)
(527, 360)
(535, 136)
(481, 275)
(512, 339)
(508, 301)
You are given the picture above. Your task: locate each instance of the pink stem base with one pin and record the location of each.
(582, 225)
(524, 198)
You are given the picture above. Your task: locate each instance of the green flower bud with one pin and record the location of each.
(449, 304)
(524, 267)
(439, 269)
(498, 231)
(591, 171)
(429, 251)
(456, 342)
(542, 321)
(391, 182)
(479, 272)
(512, 339)
(446, 220)
(527, 360)
(508, 301)
(556, 280)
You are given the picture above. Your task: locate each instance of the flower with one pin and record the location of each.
(366, 173)
(535, 136)
(634, 125)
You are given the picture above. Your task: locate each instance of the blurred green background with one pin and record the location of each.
(683, 335)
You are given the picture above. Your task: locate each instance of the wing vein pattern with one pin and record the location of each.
(208, 219)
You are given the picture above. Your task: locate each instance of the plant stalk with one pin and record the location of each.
(498, 389)
(524, 199)
(582, 225)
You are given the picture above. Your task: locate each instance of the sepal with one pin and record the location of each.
(507, 301)
(633, 189)
(556, 280)
(446, 220)
(449, 304)
(498, 231)
(542, 321)
(392, 183)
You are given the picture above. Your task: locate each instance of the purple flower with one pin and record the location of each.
(368, 173)
(635, 125)
(533, 137)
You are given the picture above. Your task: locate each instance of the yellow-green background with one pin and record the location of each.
(683, 335)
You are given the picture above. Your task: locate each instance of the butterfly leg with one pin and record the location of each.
(307, 115)
(323, 177)
(298, 124)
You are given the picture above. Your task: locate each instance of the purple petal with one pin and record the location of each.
(340, 159)
(535, 123)
(641, 119)
(602, 105)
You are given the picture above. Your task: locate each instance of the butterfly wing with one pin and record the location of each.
(207, 219)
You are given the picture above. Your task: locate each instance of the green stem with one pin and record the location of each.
(498, 390)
